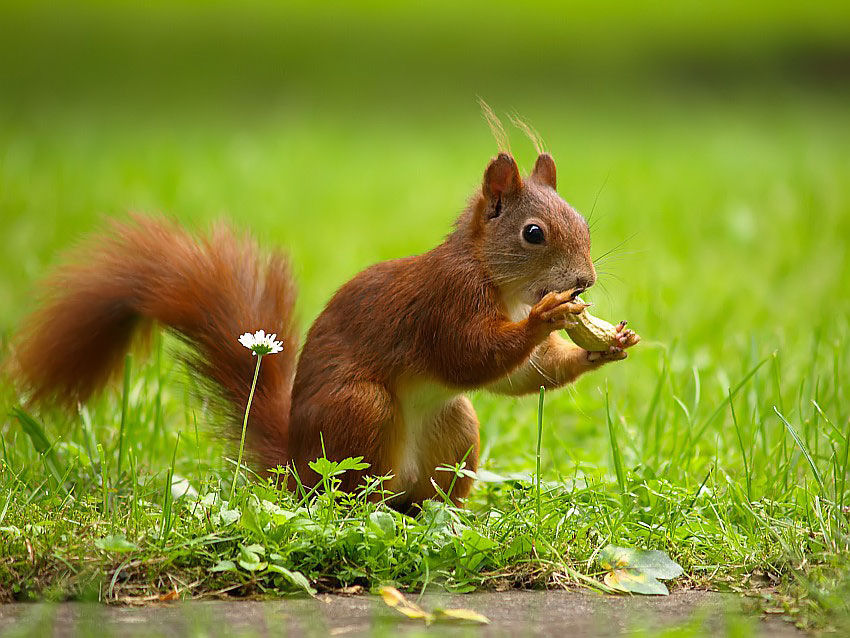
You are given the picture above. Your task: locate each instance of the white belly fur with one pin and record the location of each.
(515, 303)
(518, 311)
(420, 401)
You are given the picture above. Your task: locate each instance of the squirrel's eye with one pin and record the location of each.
(533, 234)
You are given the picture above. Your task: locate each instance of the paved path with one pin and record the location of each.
(515, 614)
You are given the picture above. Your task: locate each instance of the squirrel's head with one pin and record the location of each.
(531, 241)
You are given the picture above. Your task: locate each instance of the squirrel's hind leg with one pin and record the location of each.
(352, 419)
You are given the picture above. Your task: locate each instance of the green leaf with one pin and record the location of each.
(33, 429)
(522, 544)
(486, 476)
(75, 452)
(40, 442)
(382, 523)
(296, 578)
(649, 561)
(475, 548)
(635, 581)
(327, 469)
(115, 543)
(249, 556)
(228, 517)
(354, 463)
(637, 570)
(253, 566)
(322, 467)
(250, 521)
(277, 513)
(223, 566)
(437, 516)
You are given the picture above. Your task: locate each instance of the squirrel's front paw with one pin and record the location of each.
(625, 339)
(614, 353)
(555, 311)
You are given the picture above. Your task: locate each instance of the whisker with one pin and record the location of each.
(545, 376)
(618, 256)
(616, 248)
(596, 199)
(612, 275)
(605, 290)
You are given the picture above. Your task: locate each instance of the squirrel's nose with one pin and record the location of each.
(583, 283)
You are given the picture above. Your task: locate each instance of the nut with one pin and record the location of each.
(592, 333)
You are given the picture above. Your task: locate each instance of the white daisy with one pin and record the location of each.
(261, 343)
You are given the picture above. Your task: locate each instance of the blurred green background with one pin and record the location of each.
(709, 142)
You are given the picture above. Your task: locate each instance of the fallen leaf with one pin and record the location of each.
(464, 615)
(395, 599)
(649, 561)
(172, 595)
(392, 596)
(637, 570)
(634, 581)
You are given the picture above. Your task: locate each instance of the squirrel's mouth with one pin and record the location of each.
(575, 292)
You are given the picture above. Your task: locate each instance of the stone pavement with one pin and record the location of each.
(515, 614)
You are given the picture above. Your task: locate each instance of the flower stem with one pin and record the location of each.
(539, 440)
(245, 426)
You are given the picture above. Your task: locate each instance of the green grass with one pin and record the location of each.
(723, 440)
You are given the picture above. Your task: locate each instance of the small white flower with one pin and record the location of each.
(261, 343)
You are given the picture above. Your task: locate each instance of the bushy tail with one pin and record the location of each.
(208, 290)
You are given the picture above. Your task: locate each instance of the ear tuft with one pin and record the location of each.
(544, 170)
(501, 177)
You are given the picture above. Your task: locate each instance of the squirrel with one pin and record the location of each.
(384, 370)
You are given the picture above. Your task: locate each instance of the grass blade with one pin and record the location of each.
(125, 401)
(104, 480)
(722, 404)
(741, 446)
(615, 447)
(40, 442)
(168, 499)
(803, 449)
(539, 440)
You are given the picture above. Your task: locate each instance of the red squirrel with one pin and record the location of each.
(385, 367)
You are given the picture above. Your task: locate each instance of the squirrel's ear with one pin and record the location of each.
(544, 170)
(501, 177)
